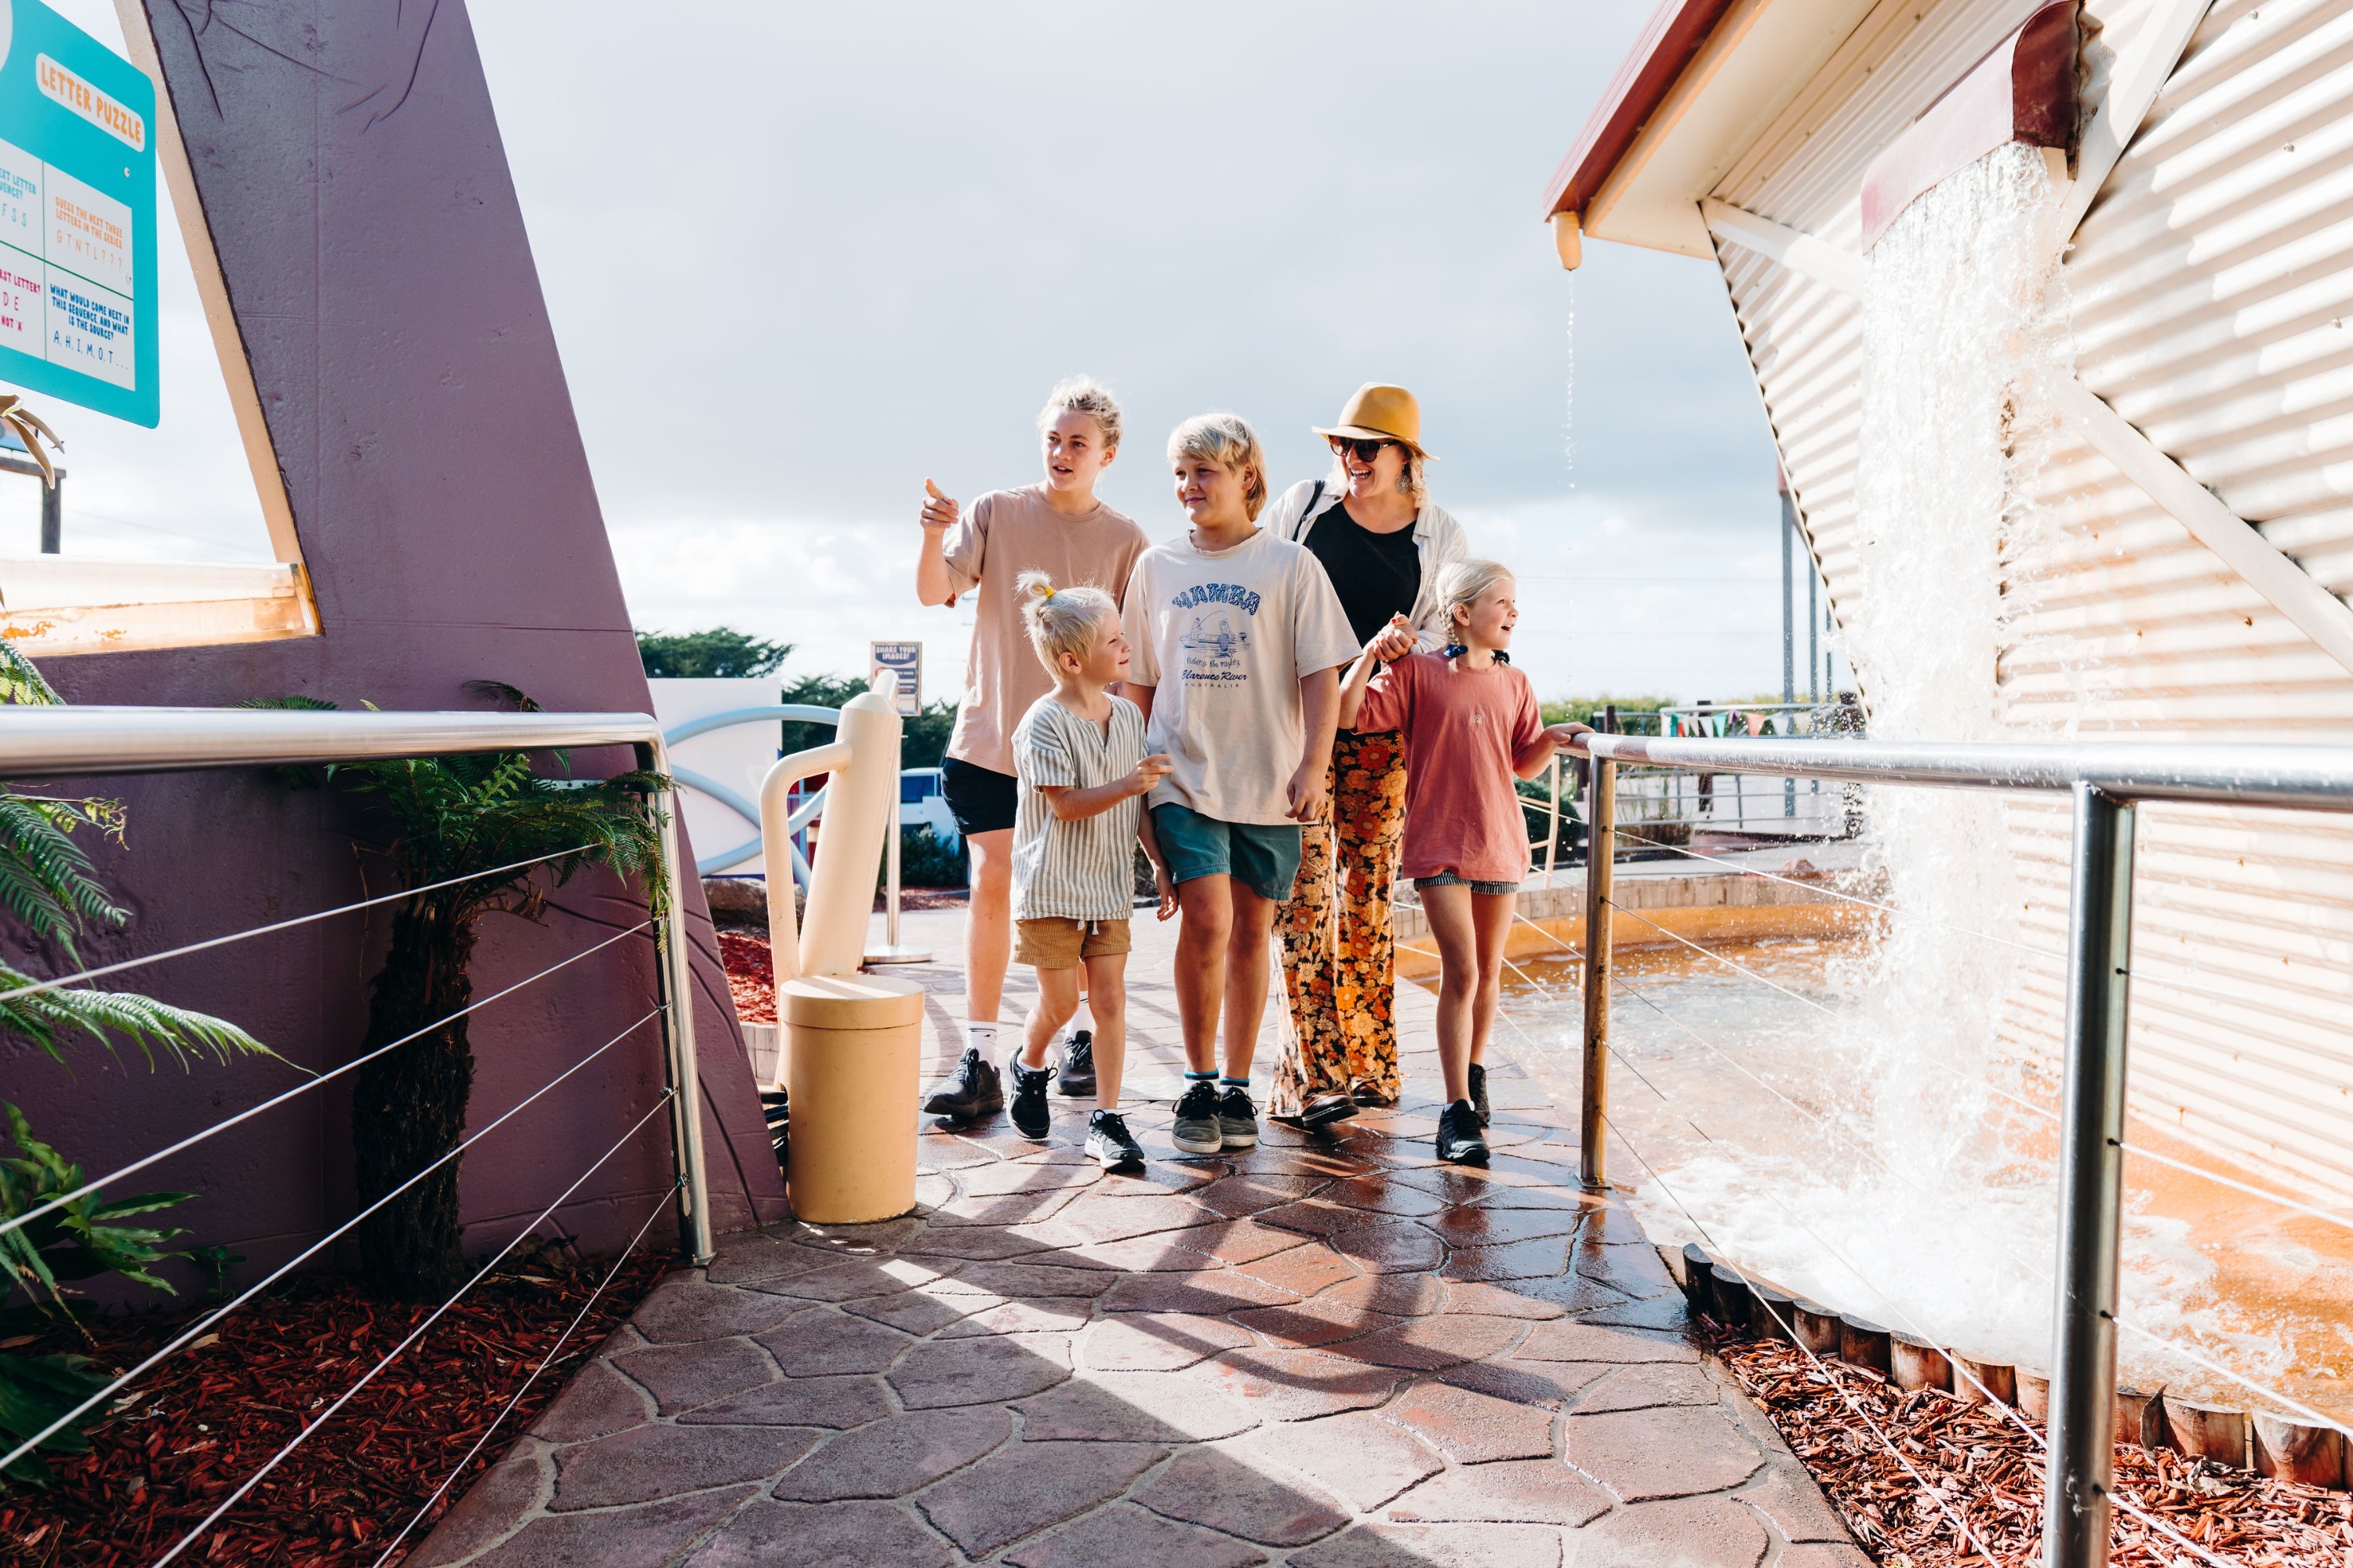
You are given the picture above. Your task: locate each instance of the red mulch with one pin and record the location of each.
(750, 979)
(1991, 1474)
(211, 1415)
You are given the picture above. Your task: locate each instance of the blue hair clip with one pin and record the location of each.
(1456, 651)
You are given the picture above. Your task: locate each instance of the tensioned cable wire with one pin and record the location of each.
(39, 986)
(1832, 1012)
(2138, 975)
(1834, 892)
(1959, 1523)
(210, 1318)
(2187, 1353)
(85, 1189)
(2237, 1186)
(1953, 1359)
(553, 1351)
(344, 1398)
(2127, 1504)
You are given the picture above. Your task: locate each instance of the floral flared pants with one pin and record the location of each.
(1339, 950)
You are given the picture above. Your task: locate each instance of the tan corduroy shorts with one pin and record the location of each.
(1065, 944)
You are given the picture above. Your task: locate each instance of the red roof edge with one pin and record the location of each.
(1670, 41)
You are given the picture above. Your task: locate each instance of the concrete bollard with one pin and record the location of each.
(853, 1071)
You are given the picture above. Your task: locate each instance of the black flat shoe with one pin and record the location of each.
(972, 1089)
(1030, 1117)
(1324, 1110)
(1458, 1139)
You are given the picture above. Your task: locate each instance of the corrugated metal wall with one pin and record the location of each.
(2211, 287)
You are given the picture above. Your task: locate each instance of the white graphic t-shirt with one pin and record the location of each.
(1223, 637)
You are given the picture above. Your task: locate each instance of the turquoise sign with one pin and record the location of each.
(77, 216)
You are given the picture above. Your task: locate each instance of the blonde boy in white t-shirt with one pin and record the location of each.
(1239, 642)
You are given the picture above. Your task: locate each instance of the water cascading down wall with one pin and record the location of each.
(2070, 432)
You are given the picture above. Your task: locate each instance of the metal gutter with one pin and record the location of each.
(1669, 41)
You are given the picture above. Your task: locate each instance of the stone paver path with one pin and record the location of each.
(1329, 1352)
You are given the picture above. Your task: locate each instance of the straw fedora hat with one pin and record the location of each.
(1380, 412)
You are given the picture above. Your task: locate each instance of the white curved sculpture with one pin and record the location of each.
(864, 762)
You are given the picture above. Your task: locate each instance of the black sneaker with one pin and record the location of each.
(1078, 1073)
(1459, 1142)
(1030, 1117)
(1195, 1130)
(778, 1111)
(972, 1090)
(1479, 1092)
(1110, 1144)
(1237, 1119)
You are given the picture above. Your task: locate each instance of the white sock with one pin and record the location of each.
(981, 1037)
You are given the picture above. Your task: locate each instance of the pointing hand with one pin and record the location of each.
(939, 511)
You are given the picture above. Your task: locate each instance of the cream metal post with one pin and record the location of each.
(1600, 853)
(891, 951)
(860, 801)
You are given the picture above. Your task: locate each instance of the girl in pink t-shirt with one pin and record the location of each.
(1470, 724)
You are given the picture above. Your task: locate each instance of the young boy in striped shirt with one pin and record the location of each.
(1078, 755)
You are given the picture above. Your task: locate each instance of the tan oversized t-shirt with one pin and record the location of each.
(999, 536)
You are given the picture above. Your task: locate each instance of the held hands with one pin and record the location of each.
(1306, 795)
(939, 511)
(1393, 642)
(1151, 771)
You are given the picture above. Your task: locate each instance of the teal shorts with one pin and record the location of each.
(1265, 859)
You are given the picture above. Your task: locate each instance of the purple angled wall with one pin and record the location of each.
(350, 165)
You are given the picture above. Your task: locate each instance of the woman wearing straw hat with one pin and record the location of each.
(1383, 546)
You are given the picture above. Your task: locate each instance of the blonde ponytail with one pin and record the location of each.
(1060, 620)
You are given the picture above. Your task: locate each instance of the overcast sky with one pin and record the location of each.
(899, 224)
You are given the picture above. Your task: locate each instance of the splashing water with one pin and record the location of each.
(1925, 1197)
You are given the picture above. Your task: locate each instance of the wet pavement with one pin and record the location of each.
(1328, 1351)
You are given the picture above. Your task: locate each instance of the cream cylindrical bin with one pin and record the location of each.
(851, 1064)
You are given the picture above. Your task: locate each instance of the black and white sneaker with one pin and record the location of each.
(1195, 1129)
(777, 1109)
(1078, 1073)
(971, 1090)
(1458, 1139)
(1237, 1119)
(1110, 1144)
(1030, 1117)
(1479, 1093)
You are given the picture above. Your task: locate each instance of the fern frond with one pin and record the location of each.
(181, 1032)
(22, 685)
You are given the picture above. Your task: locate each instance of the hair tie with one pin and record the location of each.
(1456, 651)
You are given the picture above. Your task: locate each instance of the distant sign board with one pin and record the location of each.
(907, 659)
(77, 216)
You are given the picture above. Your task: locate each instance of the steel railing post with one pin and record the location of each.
(2091, 1182)
(674, 985)
(1600, 853)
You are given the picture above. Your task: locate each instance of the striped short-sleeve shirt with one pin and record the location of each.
(1082, 870)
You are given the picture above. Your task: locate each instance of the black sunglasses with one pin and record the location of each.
(1367, 448)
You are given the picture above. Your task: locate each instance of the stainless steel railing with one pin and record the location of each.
(2105, 781)
(85, 742)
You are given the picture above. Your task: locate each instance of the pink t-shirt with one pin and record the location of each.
(1466, 732)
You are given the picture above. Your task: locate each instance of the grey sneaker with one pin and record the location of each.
(1458, 1138)
(1237, 1119)
(1110, 1144)
(1196, 1130)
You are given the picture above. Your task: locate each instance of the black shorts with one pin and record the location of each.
(981, 799)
